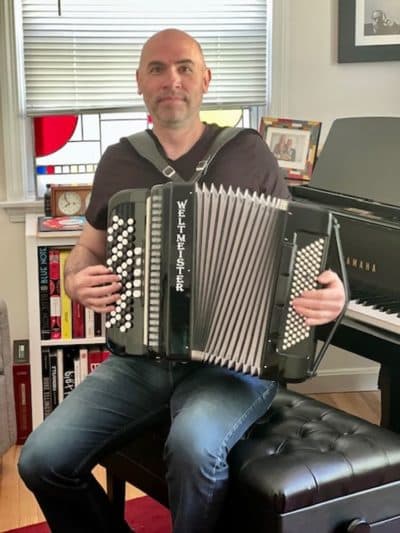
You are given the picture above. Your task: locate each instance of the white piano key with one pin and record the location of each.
(373, 317)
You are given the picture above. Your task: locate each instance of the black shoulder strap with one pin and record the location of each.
(145, 146)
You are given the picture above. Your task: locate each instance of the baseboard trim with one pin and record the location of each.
(340, 380)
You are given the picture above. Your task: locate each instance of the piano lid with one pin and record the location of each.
(361, 158)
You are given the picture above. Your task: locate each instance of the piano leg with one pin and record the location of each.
(389, 383)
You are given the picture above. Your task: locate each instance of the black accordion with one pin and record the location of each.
(208, 275)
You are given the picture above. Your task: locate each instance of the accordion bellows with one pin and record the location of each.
(208, 275)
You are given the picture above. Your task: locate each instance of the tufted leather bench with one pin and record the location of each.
(304, 467)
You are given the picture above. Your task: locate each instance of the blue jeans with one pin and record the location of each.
(211, 408)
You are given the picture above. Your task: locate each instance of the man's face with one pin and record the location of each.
(172, 78)
(377, 19)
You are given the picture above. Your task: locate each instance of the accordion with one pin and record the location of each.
(209, 275)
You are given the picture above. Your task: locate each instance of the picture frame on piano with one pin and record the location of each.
(294, 143)
(368, 30)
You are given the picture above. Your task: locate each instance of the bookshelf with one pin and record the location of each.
(33, 240)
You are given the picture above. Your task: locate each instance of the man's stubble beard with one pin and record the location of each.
(174, 118)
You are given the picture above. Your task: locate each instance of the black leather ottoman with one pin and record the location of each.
(304, 467)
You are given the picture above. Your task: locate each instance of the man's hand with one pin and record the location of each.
(320, 306)
(94, 287)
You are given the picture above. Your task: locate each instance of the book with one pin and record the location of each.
(47, 404)
(60, 374)
(66, 304)
(54, 291)
(23, 401)
(95, 357)
(78, 320)
(72, 223)
(77, 369)
(106, 354)
(83, 359)
(44, 295)
(53, 378)
(89, 323)
(70, 353)
(98, 321)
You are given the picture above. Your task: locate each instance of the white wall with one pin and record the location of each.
(308, 84)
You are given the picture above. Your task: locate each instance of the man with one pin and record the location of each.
(211, 407)
(290, 151)
(279, 148)
(381, 25)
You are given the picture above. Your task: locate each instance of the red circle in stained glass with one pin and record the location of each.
(53, 132)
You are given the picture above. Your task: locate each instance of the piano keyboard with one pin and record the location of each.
(384, 316)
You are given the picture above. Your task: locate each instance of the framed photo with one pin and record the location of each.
(294, 144)
(21, 351)
(369, 30)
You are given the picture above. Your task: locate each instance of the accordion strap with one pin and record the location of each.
(146, 147)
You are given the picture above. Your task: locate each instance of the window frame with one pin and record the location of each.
(19, 191)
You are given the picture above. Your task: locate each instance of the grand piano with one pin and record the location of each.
(357, 176)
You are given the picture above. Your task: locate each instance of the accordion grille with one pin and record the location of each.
(238, 238)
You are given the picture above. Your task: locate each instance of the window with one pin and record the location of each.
(68, 147)
(78, 58)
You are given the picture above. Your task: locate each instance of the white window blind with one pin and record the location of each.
(82, 54)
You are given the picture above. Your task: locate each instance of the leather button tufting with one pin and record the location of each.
(358, 526)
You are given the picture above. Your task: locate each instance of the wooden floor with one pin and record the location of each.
(18, 507)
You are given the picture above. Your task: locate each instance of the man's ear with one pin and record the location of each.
(206, 79)
(138, 82)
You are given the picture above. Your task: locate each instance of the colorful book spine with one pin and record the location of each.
(66, 304)
(95, 357)
(77, 369)
(44, 295)
(69, 370)
(47, 405)
(78, 320)
(89, 323)
(60, 374)
(53, 378)
(23, 401)
(54, 290)
(83, 359)
(97, 324)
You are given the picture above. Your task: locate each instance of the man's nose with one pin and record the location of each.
(172, 78)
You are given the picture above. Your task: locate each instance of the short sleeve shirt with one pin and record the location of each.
(245, 162)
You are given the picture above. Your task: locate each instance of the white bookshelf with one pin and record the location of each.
(33, 240)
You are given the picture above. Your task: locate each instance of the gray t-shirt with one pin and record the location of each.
(245, 162)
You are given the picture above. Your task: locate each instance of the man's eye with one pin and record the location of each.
(185, 69)
(155, 70)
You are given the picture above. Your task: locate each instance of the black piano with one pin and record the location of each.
(357, 176)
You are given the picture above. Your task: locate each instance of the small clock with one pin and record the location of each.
(69, 200)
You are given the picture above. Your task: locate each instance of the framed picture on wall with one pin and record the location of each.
(369, 30)
(294, 143)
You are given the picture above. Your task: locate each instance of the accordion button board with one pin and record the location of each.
(209, 275)
(125, 257)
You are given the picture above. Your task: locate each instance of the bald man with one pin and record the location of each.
(211, 407)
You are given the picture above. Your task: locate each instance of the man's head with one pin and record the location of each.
(378, 19)
(172, 77)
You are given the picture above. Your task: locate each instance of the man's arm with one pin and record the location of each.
(86, 278)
